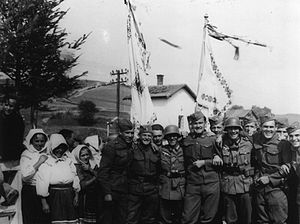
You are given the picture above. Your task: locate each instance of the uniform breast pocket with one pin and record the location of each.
(154, 163)
(138, 164)
(226, 156)
(121, 156)
(272, 156)
(244, 157)
(206, 151)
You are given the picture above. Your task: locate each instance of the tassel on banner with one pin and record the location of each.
(236, 53)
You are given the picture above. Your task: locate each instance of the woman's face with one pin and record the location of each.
(59, 151)
(38, 141)
(84, 155)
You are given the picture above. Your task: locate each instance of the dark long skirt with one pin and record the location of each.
(62, 209)
(32, 207)
(87, 206)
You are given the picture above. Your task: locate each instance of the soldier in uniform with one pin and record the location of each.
(202, 194)
(143, 180)
(292, 167)
(282, 130)
(270, 200)
(112, 175)
(216, 125)
(236, 173)
(250, 126)
(172, 178)
(157, 131)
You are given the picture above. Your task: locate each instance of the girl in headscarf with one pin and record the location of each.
(87, 171)
(32, 158)
(58, 183)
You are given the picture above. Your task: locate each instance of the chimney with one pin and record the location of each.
(160, 79)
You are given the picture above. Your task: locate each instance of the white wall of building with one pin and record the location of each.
(168, 110)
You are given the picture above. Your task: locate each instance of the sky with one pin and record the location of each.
(262, 76)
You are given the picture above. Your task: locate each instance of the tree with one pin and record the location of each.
(31, 46)
(87, 111)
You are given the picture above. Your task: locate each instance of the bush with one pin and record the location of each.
(87, 111)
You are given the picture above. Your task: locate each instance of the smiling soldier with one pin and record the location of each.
(271, 201)
(237, 173)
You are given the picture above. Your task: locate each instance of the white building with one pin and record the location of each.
(172, 103)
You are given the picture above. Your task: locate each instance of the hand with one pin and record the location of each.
(264, 180)
(43, 158)
(199, 163)
(285, 169)
(217, 161)
(45, 207)
(108, 197)
(209, 134)
(85, 166)
(75, 200)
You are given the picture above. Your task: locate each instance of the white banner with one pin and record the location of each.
(142, 111)
(213, 92)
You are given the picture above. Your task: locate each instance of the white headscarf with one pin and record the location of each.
(55, 141)
(76, 153)
(29, 137)
(93, 143)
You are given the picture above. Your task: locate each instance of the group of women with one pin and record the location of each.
(58, 188)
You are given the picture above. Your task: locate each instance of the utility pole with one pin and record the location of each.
(118, 80)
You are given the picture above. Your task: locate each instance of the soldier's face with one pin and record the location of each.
(282, 133)
(250, 128)
(146, 138)
(157, 137)
(172, 139)
(294, 138)
(127, 135)
(199, 126)
(217, 129)
(233, 132)
(268, 129)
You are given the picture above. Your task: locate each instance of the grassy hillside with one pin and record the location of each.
(291, 117)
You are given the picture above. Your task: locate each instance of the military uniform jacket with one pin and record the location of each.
(268, 159)
(112, 174)
(200, 148)
(237, 171)
(144, 170)
(172, 178)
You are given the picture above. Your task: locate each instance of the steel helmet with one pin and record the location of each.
(171, 129)
(233, 122)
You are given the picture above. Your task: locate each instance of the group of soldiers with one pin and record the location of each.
(233, 173)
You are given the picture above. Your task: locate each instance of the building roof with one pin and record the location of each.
(167, 91)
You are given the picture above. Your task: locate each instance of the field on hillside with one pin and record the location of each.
(62, 113)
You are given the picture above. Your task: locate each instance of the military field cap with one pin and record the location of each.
(215, 120)
(125, 125)
(145, 129)
(293, 127)
(157, 127)
(195, 116)
(265, 118)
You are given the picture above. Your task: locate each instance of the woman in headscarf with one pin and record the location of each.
(87, 171)
(58, 183)
(32, 158)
